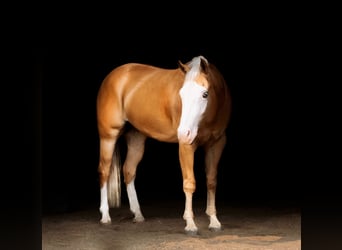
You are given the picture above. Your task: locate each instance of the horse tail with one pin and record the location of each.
(114, 180)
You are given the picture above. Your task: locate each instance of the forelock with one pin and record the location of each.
(195, 68)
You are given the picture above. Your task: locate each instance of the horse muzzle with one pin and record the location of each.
(186, 136)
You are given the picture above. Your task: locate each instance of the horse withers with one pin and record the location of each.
(189, 105)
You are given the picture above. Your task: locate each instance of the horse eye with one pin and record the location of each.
(205, 94)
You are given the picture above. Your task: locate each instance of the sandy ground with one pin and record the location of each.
(244, 227)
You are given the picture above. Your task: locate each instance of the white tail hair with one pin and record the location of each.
(114, 180)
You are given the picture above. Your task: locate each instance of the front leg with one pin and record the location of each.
(212, 156)
(186, 157)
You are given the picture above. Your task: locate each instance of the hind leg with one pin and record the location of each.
(108, 137)
(135, 150)
(106, 153)
(212, 157)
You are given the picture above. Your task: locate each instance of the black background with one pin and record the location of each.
(270, 55)
(261, 60)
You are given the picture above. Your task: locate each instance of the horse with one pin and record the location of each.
(189, 104)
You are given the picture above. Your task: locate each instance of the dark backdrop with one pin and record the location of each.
(261, 160)
(261, 56)
(274, 57)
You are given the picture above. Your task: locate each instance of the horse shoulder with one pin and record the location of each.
(153, 104)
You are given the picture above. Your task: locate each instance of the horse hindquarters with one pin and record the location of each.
(110, 122)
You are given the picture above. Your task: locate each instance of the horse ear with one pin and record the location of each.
(204, 65)
(183, 67)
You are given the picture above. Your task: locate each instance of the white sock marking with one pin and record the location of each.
(104, 209)
(133, 202)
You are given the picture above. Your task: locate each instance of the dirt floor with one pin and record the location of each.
(244, 227)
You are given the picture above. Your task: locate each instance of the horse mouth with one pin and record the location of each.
(186, 136)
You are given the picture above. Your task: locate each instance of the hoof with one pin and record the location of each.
(138, 219)
(191, 232)
(215, 229)
(105, 222)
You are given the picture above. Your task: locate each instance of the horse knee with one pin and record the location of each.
(211, 185)
(189, 186)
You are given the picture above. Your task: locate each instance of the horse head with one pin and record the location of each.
(194, 97)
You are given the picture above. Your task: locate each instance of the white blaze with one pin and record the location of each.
(193, 107)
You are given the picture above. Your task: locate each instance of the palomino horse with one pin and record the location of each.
(189, 105)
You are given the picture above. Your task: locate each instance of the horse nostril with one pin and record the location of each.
(184, 135)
